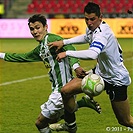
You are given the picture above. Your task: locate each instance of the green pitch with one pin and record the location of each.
(25, 86)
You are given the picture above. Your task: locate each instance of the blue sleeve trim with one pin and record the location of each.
(97, 45)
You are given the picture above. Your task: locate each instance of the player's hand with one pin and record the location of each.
(89, 72)
(80, 72)
(58, 44)
(61, 56)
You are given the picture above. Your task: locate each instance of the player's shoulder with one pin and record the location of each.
(53, 37)
(104, 27)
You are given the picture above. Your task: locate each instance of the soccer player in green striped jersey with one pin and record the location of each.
(60, 73)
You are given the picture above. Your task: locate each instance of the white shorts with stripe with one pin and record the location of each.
(53, 108)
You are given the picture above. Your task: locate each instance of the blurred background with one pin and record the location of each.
(60, 15)
(63, 8)
(22, 91)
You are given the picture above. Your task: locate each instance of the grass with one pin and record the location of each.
(20, 102)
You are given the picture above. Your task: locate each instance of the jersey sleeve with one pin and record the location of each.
(99, 42)
(74, 62)
(83, 54)
(32, 56)
(75, 40)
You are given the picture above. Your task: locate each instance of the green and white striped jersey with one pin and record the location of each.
(60, 72)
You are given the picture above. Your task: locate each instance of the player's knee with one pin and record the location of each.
(72, 110)
(37, 124)
(65, 92)
(127, 123)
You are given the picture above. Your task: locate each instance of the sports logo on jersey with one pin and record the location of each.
(45, 54)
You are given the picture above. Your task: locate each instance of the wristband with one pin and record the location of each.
(76, 65)
(2, 55)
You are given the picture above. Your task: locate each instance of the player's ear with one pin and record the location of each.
(101, 16)
(46, 27)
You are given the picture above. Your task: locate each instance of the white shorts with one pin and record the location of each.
(53, 108)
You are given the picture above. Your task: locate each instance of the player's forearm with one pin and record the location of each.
(75, 40)
(74, 62)
(83, 54)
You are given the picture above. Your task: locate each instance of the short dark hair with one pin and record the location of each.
(92, 8)
(37, 17)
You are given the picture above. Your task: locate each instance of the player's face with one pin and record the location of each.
(92, 20)
(38, 30)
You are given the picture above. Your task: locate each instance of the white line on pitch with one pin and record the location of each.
(36, 77)
(22, 80)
